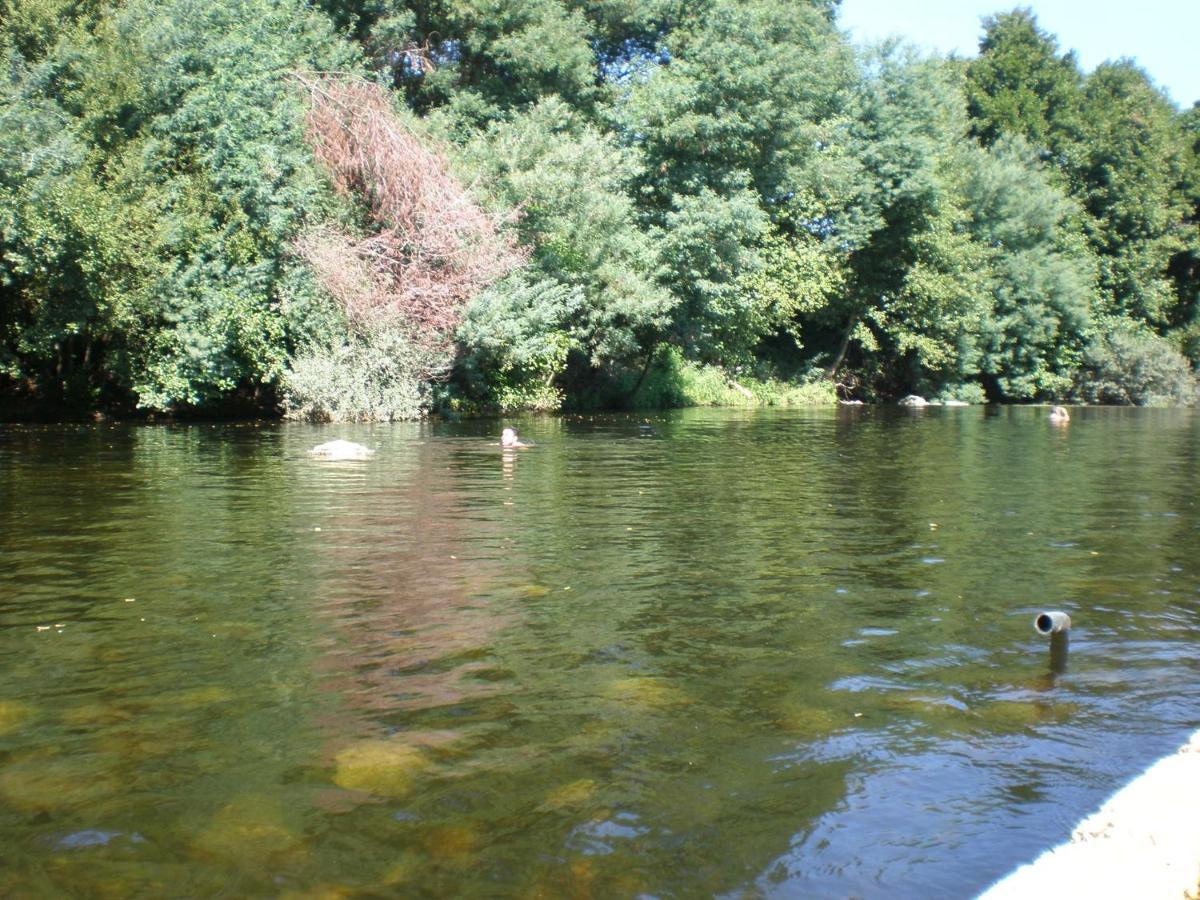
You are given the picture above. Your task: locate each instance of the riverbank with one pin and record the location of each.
(1143, 842)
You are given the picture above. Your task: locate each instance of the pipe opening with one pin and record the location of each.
(1051, 622)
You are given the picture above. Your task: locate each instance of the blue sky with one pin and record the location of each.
(1162, 35)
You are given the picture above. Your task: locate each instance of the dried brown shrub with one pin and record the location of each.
(431, 247)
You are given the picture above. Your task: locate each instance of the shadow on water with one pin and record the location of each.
(780, 653)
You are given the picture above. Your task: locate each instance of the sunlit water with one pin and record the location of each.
(780, 654)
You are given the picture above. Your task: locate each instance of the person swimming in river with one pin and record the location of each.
(510, 441)
(1059, 415)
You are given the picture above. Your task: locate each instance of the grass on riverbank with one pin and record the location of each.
(673, 381)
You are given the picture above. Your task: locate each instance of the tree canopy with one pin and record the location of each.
(552, 204)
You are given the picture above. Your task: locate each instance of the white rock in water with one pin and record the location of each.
(956, 403)
(914, 400)
(341, 450)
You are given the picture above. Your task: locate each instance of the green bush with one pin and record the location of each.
(153, 174)
(1188, 341)
(380, 376)
(816, 391)
(513, 346)
(968, 392)
(673, 381)
(1136, 367)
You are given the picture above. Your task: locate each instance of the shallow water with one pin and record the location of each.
(764, 653)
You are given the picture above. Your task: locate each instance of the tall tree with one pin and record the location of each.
(735, 126)
(1040, 273)
(1116, 144)
(478, 61)
(1129, 169)
(1020, 84)
(1184, 268)
(915, 298)
(571, 184)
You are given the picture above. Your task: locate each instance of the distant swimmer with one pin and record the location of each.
(341, 450)
(510, 441)
(1059, 416)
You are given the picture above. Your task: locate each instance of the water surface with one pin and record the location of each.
(704, 653)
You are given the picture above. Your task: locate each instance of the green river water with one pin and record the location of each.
(689, 654)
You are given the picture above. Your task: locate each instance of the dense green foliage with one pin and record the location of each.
(723, 187)
(154, 173)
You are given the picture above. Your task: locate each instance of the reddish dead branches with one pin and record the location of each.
(431, 248)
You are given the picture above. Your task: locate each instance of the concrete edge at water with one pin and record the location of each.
(1143, 842)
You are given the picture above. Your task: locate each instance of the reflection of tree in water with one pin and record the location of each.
(408, 574)
(632, 750)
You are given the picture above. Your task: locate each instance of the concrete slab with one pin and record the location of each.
(1142, 844)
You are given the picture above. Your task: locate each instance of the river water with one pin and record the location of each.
(700, 653)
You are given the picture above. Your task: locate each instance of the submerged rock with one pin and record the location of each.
(250, 832)
(321, 892)
(49, 783)
(808, 721)
(192, 698)
(577, 793)
(382, 768)
(452, 843)
(13, 714)
(645, 692)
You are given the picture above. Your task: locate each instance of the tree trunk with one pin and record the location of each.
(642, 377)
(840, 356)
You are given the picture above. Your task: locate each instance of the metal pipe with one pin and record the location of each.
(1052, 622)
(1059, 644)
